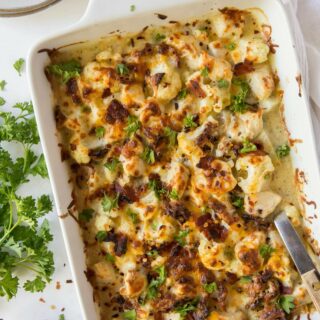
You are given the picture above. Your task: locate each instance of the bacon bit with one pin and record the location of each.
(42, 300)
(243, 68)
(250, 258)
(89, 273)
(161, 16)
(272, 314)
(106, 93)
(86, 91)
(194, 87)
(156, 78)
(292, 142)
(299, 81)
(59, 117)
(267, 31)
(205, 162)
(63, 215)
(69, 281)
(177, 211)
(127, 193)
(116, 112)
(58, 285)
(120, 241)
(309, 202)
(73, 91)
(211, 229)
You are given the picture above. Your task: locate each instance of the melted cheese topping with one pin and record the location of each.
(179, 208)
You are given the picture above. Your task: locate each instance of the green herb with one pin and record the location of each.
(205, 72)
(181, 237)
(133, 125)
(156, 187)
(148, 155)
(86, 214)
(159, 37)
(85, 109)
(2, 101)
(110, 257)
(154, 225)
(18, 65)
(282, 151)
(229, 252)
(132, 8)
(222, 84)
(152, 290)
(210, 287)
(248, 146)
(122, 69)
(231, 46)
(152, 253)
(265, 251)
(2, 84)
(171, 135)
(101, 235)
(23, 242)
(237, 201)
(133, 216)
(245, 279)
(129, 315)
(61, 317)
(238, 102)
(188, 122)
(174, 194)
(112, 164)
(182, 94)
(183, 310)
(109, 203)
(65, 70)
(286, 303)
(100, 131)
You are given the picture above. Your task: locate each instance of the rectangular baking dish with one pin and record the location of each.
(102, 17)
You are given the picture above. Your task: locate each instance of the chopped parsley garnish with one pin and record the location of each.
(184, 309)
(182, 94)
(156, 187)
(65, 70)
(129, 315)
(61, 317)
(148, 155)
(171, 135)
(132, 8)
(159, 37)
(238, 101)
(110, 257)
(2, 84)
(282, 151)
(210, 287)
(152, 253)
(23, 241)
(245, 279)
(100, 131)
(154, 285)
(286, 303)
(109, 203)
(181, 237)
(188, 122)
(265, 251)
(247, 147)
(231, 46)
(133, 216)
(18, 65)
(237, 201)
(101, 235)
(2, 101)
(113, 164)
(86, 214)
(222, 84)
(133, 125)
(174, 194)
(122, 69)
(85, 109)
(205, 72)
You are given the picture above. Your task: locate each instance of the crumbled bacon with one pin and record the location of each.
(73, 91)
(178, 211)
(156, 78)
(116, 112)
(195, 88)
(272, 314)
(243, 68)
(180, 261)
(127, 194)
(211, 229)
(120, 241)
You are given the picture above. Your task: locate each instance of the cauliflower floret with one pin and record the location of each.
(105, 272)
(134, 283)
(261, 81)
(254, 172)
(247, 253)
(130, 158)
(238, 315)
(261, 204)
(241, 126)
(80, 154)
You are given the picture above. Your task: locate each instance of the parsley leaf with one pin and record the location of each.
(159, 37)
(86, 214)
(8, 285)
(286, 303)
(36, 285)
(210, 287)
(148, 155)
(113, 164)
(237, 201)
(132, 8)
(222, 84)
(109, 203)
(184, 309)
(174, 194)
(265, 251)
(205, 72)
(133, 125)
(245, 279)
(238, 101)
(188, 122)
(282, 151)
(61, 317)
(182, 94)
(18, 65)
(133, 216)
(231, 46)
(2, 101)
(100, 131)
(171, 135)
(154, 285)
(2, 84)
(156, 187)
(152, 253)
(65, 70)
(248, 146)
(110, 257)
(129, 315)
(181, 237)
(122, 69)
(101, 235)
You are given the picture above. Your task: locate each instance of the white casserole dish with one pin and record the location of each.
(102, 17)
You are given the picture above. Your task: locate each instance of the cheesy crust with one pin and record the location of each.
(174, 170)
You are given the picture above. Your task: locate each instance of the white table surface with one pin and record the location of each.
(17, 35)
